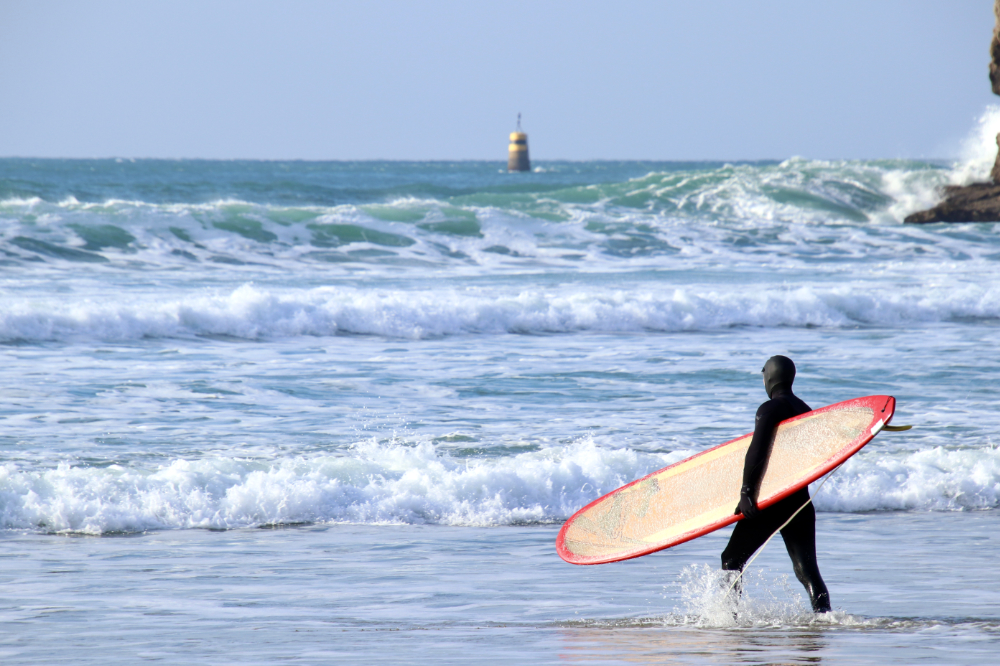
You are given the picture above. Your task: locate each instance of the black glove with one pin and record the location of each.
(747, 505)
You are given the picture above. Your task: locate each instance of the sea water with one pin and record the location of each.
(324, 412)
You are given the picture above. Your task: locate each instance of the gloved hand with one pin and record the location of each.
(747, 505)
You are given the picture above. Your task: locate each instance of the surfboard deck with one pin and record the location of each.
(698, 495)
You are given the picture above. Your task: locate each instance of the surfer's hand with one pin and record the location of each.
(747, 505)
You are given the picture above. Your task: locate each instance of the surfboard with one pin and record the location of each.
(698, 495)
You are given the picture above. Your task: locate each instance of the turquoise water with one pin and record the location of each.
(316, 411)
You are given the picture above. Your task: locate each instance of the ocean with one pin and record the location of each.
(336, 412)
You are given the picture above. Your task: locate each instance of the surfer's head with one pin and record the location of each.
(778, 371)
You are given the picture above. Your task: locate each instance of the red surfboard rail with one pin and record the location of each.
(698, 495)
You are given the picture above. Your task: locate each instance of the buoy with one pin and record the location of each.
(517, 151)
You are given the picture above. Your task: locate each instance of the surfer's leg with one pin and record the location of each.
(748, 535)
(743, 543)
(800, 541)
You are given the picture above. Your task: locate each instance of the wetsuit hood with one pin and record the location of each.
(778, 371)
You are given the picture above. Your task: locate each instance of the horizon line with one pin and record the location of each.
(474, 159)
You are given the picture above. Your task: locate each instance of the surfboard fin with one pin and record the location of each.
(892, 428)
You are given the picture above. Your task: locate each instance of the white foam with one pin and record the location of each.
(936, 479)
(414, 483)
(250, 312)
(21, 202)
(912, 190)
(374, 483)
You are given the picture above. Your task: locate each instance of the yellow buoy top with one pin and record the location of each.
(517, 151)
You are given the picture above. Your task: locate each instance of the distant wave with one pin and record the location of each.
(819, 190)
(414, 484)
(253, 313)
(797, 211)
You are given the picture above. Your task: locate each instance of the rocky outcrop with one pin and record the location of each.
(995, 51)
(979, 202)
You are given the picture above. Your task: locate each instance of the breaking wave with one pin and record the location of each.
(933, 479)
(252, 313)
(376, 483)
(571, 215)
(399, 482)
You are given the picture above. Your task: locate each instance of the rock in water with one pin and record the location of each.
(979, 202)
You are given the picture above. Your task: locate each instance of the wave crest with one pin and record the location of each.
(397, 482)
(375, 483)
(936, 479)
(252, 313)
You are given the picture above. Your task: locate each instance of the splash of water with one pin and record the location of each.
(979, 150)
(764, 601)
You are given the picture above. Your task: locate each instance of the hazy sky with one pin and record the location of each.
(443, 79)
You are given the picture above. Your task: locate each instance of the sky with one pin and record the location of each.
(445, 79)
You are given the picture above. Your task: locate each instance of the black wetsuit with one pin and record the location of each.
(751, 532)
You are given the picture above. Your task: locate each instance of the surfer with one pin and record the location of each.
(759, 524)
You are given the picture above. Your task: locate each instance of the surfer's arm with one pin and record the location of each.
(756, 459)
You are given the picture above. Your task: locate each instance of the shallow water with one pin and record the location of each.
(907, 588)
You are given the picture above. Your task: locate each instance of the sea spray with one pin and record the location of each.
(979, 149)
